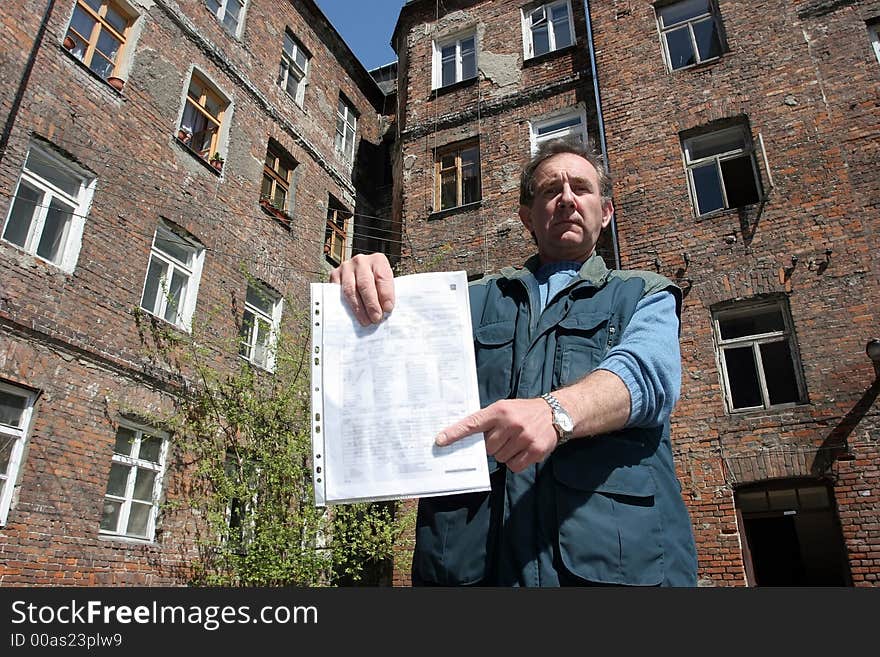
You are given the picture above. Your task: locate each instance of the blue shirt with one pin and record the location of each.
(648, 357)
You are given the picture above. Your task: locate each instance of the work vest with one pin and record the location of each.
(604, 509)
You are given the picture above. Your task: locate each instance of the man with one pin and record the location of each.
(584, 490)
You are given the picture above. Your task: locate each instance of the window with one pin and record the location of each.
(172, 277)
(336, 234)
(229, 13)
(260, 325)
(346, 129)
(202, 117)
(49, 208)
(294, 64)
(457, 176)
(547, 28)
(572, 125)
(757, 355)
(874, 33)
(454, 60)
(97, 34)
(722, 171)
(16, 406)
(132, 498)
(277, 173)
(689, 30)
(242, 480)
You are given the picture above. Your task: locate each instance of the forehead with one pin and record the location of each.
(573, 166)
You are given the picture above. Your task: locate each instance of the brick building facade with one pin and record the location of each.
(232, 140)
(744, 154)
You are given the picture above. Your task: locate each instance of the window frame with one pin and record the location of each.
(19, 434)
(134, 463)
(85, 47)
(71, 241)
(748, 149)
(457, 148)
(220, 14)
(712, 13)
(193, 271)
(215, 125)
(335, 235)
(562, 133)
(346, 122)
(741, 309)
(273, 321)
(289, 63)
(276, 180)
(874, 35)
(437, 59)
(526, 15)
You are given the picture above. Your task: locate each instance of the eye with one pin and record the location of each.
(581, 190)
(551, 191)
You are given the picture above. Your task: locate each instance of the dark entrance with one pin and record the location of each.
(793, 535)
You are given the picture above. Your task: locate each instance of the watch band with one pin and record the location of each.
(562, 421)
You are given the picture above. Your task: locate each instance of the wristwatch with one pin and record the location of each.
(562, 421)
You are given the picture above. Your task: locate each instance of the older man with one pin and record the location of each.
(579, 369)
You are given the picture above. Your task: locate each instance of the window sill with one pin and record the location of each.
(76, 60)
(706, 63)
(455, 86)
(458, 209)
(205, 163)
(538, 59)
(277, 214)
(729, 211)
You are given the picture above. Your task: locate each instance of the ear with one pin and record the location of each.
(525, 216)
(607, 211)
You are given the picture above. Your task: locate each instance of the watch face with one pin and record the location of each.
(564, 421)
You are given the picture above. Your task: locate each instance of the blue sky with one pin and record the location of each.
(366, 26)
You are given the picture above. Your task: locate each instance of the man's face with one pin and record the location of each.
(567, 213)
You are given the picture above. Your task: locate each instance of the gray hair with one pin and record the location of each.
(554, 147)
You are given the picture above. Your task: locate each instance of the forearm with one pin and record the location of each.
(599, 403)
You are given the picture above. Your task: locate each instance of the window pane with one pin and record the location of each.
(706, 36)
(155, 274)
(707, 188)
(561, 30)
(151, 447)
(110, 515)
(176, 292)
(52, 240)
(759, 321)
(23, 210)
(138, 519)
(6, 445)
(143, 484)
(562, 123)
(247, 325)
(682, 11)
(82, 22)
(739, 181)
(681, 50)
(102, 66)
(742, 375)
(173, 246)
(115, 19)
(259, 300)
(118, 479)
(779, 372)
(470, 175)
(715, 143)
(124, 441)
(262, 344)
(11, 409)
(448, 192)
(51, 171)
(447, 65)
(468, 59)
(540, 40)
(108, 45)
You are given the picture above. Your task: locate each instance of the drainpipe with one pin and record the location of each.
(22, 86)
(601, 124)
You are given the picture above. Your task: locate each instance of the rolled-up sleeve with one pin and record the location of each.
(648, 360)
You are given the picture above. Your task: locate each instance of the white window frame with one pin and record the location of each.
(711, 14)
(563, 132)
(248, 506)
(191, 269)
(220, 10)
(18, 434)
(755, 341)
(528, 15)
(437, 66)
(691, 163)
(71, 241)
(289, 65)
(874, 33)
(346, 125)
(271, 319)
(135, 463)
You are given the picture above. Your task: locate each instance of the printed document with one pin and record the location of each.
(380, 394)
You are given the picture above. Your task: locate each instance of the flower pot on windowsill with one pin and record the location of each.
(277, 213)
(184, 136)
(116, 83)
(69, 42)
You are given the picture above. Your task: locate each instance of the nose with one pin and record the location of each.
(566, 198)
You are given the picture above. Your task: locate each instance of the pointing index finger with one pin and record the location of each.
(474, 423)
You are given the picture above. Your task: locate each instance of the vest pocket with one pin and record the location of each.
(494, 355)
(580, 344)
(610, 528)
